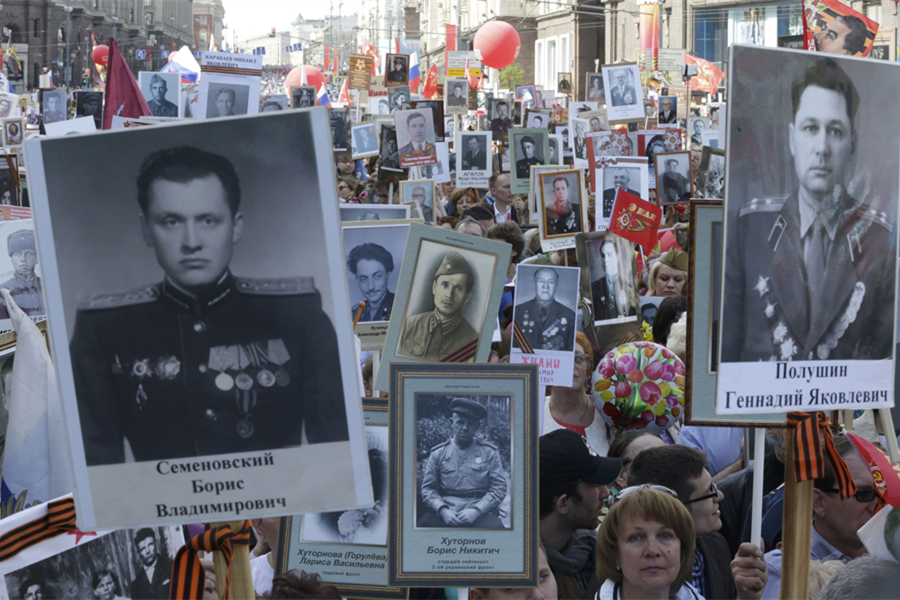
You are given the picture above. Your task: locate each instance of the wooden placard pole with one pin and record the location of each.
(797, 530)
(241, 578)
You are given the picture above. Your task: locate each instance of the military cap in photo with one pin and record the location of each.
(468, 408)
(675, 259)
(21, 240)
(454, 264)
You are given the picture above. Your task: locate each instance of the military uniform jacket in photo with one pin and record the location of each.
(461, 478)
(247, 367)
(383, 312)
(427, 338)
(769, 312)
(26, 293)
(546, 328)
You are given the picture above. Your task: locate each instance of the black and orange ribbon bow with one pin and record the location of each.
(60, 519)
(809, 460)
(188, 577)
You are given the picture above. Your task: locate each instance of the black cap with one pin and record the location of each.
(566, 456)
(468, 408)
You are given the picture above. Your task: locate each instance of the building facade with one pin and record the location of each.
(275, 45)
(209, 17)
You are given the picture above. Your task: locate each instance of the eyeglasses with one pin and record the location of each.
(713, 493)
(636, 488)
(581, 358)
(864, 495)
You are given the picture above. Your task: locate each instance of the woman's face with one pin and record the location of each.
(345, 167)
(633, 449)
(669, 281)
(344, 190)
(464, 203)
(582, 371)
(649, 557)
(106, 589)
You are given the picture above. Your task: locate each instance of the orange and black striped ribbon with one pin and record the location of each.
(188, 577)
(232, 71)
(809, 459)
(521, 341)
(463, 354)
(60, 519)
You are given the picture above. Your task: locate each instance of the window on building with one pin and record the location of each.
(873, 10)
(710, 33)
(203, 20)
(202, 35)
(563, 66)
(37, 27)
(790, 20)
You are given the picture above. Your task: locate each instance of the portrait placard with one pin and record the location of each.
(379, 105)
(538, 118)
(229, 85)
(52, 103)
(608, 276)
(834, 27)
(162, 91)
(10, 105)
(356, 539)
(9, 181)
(711, 174)
(446, 277)
(598, 119)
(528, 147)
(593, 91)
(482, 418)
(390, 156)
(440, 171)
(500, 116)
(208, 362)
(303, 96)
(563, 208)
(456, 96)
(626, 173)
(602, 148)
(668, 111)
(563, 130)
(534, 193)
(526, 95)
(437, 114)
(364, 142)
(396, 70)
(579, 129)
(555, 145)
(655, 141)
(397, 97)
(20, 271)
(622, 87)
(415, 137)
(697, 126)
(564, 83)
(673, 177)
(13, 131)
(475, 168)
(373, 212)
(546, 301)
(90, 104)
(811, 310)
(419, 193)
(339, 121)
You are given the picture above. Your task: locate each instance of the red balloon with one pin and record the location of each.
(295, 77)
(101, 55)
(497, 44)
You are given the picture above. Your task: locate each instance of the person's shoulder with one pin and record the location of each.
(866, 218)
(135, 297)
(486, 443)
(440, 446)
(413, 320)
(764, 206)
(563, 308)
(288, 286)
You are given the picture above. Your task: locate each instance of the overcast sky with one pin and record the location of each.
(251, 18)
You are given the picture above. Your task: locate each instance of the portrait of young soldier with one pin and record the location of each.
(531, 155)
(90, 104)
(204, 362)
(562, 217)
(154, 576)
(25, 285)
(463, 483)
(545, 322)
(159, 105)
(54, 106)
(811, 274)
(372, 265)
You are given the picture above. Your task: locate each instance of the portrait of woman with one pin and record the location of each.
(106, 586)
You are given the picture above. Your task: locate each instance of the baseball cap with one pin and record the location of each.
(566, 456)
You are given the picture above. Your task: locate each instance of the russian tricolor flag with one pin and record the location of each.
(322, 99)
(414, 78)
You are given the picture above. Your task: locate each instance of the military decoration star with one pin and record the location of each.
(780, 333)
(770, 309)
(80, 534)
(762, 286)
(788, 349)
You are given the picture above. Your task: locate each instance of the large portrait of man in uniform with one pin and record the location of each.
(464, 479)
(611, 267)
(544, 313)
(811, 229)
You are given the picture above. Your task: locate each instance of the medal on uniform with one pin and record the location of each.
(245, 428)
(224, 381)
(243, 381)
(259, 356)
(278, 355)
(141, 396)
(222, 358)
(265, 378)
(246, 402)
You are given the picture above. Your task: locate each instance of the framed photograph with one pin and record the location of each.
(350, 534)
(9, 101)
(711, 175)
(437, 114)
(397, 97)
(162, 91)
(528, 147)
(649, 109)
(555, 146)
(885, 45)
(483, 99)
(274, 102)
(704, 293)
(622, 86)
(475, 168)
(527, 95)
(364, 142)
(396, 70)
(538, 118)
(831, 309)
(655, 141)
(564, 83)
(13, 131)
(489, 433)
(563, 208)
(450, 127)
(456, 96)
(608, 276)
(20, 271)
(9, 181)
(128, 563)
(339, 121)
(629, 174)
(711, 139)
(90, 104)
(673, 177)
(223, 95)
(697, 126)
(534, 193)
(53, 105)
(379, 105)
(373, 212)
(593, 92)
(563, 130)
(500, 118)
(451, 277)
(580, 127)
(440, 171)
(415, 137)
(390, 155)
(546, 298)
(419, 193)
(304, 96)
(597, 119)
(209, 360)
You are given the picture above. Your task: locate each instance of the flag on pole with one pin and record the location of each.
(709, 77)
(322, 99)
(303, 80)
(473, 82)
(123, 95)
(415, 80)
(368, 48)
(431, 82)
(345, 93)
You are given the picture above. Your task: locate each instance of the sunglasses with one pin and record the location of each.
(713, 493)
(864, 495)
(582, 358)
(636, 488)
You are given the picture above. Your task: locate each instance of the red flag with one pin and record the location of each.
(885, 474)
(708, 78)
(123, 95)
(431, 82)
(369, 49)
(327, 55)
(473, 82)
(335, 64)
(635, 219)
(345, 93)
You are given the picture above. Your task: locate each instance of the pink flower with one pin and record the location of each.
(655, 370)
(647, 416)
(623, 389)
(668, 354)
(626, 364)
(662, 422)
(679, 367)
(606, 369)
(650, 393)
(672, 400)
(668, 373)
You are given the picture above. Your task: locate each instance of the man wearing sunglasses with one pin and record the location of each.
(685, 470)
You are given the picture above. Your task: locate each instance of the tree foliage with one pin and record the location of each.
(512, 76)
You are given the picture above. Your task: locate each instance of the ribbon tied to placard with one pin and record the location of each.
(188, 577)
(60, 519)
(810, 431)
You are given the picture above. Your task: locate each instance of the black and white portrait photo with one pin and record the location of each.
(450, 127)
(20, 271)
(53, 106)
(527, 95)
(673, 177)
(373, 212)
(711, 175)
(227, 100)
(626, 174)
(379, 105)
(537, 118)
(304, 96)
(529, 150)
(579, 144)
(464, 447)
(594, 90)
(390, 157)
(554, 144)
(501, 115)
(374, 256)
(397, 97)
(597, 119)
(475, 151)
(9, 190)
(13, 131)
(199, 337)
(415, 137)
(563, 130)
(564, 83)
(8, 103)
(90, 104)
(456, 96)
(810, 223)
(339, 121)
(611, 265)
(698, 126)
(561, 203)
(419, 193)
(649, 108)
(396, 70)
(622, 86)
(364, 140)
(437, 114)
(544, 315)
(162, 91)
(668, 110)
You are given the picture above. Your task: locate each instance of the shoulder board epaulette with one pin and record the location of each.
(484, 442)
(441, 445)
(276, 287)
(141, 295)
(765, 205)
(874, 216)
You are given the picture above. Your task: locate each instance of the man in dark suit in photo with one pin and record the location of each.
(475, 158)
(667, 112)
(621, 180)
(622, 93)
(418, 132)
(155, 573)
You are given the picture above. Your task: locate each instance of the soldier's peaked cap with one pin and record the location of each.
(468, 408)
(454, 264)
(21, 240)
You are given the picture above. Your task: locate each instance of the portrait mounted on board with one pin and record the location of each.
(303, 96)
(649, 109)
(563, 130)
(364, 142)
(449, 278)
(810, 234)
(390, 155)
(10, 181)
(538, 118)
(339, 122)
(526, 95)
(555, 145)
(90, 104)
(528, 147)
(419, 193)
(274, 102)
(597, 119)
(415, 137)
(373, 212)
(162, 91)
(199, 343)
(397, 97)
(225, 96)
(608, 276)
(578, 129)
(20, 271)
(629, 174)
(697, 126)
(835, 28)
(563, 208)
(622, 87)
(440, 171)
(379, 105)
(488, 433)
(437, 114)
(673, 177)
(396, 70)
(593, 91)
(13, 131)
(711, 174)
(475, 168)
(564, 83)
(500, 115)
(668, 110)
(53, 105)
(651, 142)
(9, 101)
(456, 98)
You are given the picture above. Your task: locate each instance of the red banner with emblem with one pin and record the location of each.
(635, 219)
(708, 78)
(648, 26)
